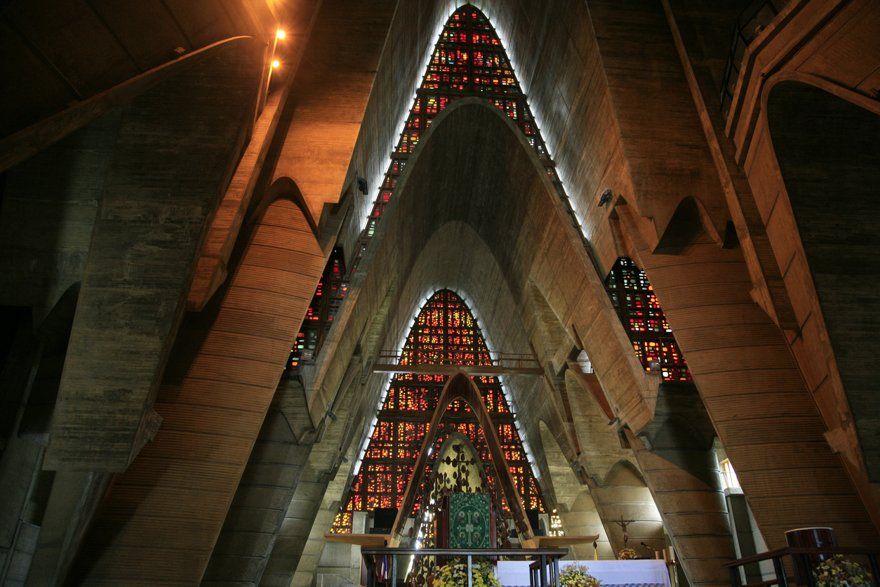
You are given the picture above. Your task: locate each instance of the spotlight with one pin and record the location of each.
(276, 64)
(280, 34)
(605, 199)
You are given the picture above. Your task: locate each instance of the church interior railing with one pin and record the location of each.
(801, 565)
(545, 575)
(749, 24)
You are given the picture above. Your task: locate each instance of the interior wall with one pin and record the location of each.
(574, 501)
(832, 50)
(828, 151)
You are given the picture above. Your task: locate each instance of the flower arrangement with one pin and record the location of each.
(454, 574)
(577, 576)
(838, 571)
(627, 554)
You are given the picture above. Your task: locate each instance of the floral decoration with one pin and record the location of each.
(454, 574)
(577, 576)
(839, 571)
(627, 554)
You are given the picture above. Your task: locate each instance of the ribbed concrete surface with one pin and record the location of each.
(694, 514)
(161, 519)
(755, 396)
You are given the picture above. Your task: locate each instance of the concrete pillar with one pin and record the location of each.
(264, 492)
(152, 214)
(73, 501)
(675, 453)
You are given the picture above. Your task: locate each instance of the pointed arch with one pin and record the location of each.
(452, 438)
(444, 332)
(460, 387)
(468, 60)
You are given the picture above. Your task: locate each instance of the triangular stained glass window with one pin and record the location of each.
(468, 61)
(444, 333)
(644, 321)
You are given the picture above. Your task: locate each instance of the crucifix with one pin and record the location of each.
(623, 524)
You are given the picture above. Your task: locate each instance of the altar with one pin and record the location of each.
(619, 573)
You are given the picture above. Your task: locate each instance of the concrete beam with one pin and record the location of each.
(152, 217)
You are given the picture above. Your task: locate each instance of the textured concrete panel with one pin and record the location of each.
(151, 219)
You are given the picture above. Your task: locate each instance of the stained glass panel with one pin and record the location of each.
(468, 61)
(643, 319)
(445, 332)
(329, 294)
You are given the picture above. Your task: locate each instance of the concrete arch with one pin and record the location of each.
(455, 257)
(508, 201)
(622, 496)
(687, 223)
(819, 31)
(598, 438)
(573, 500)
(827, 85)
(151, 219)
(826, 142)
(624, 472)
(222, 376)
(752, 389)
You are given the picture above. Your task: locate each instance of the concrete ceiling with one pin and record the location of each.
(476, 180)
(47, 66)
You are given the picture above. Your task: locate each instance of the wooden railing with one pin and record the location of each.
(546, 573)
(803, 560)
(499, 364)
(754, 17)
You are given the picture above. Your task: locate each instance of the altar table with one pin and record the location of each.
(632, 573)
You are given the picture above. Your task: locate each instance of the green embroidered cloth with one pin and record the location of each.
(469, 520)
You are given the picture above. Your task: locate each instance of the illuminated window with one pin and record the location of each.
(445, 332)
(331, 290)
(728, 475)
(555, 524)
(639, 310)
(468, 61)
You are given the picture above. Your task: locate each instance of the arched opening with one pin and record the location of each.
(444, 333)
(828, 151)
(468, 61)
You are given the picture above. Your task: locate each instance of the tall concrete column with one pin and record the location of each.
(678, 462)
(153, 211)
(276, 463)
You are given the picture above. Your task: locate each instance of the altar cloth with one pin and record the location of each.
(633, 573)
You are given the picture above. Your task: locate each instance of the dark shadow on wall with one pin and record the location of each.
(829, 154)
(30, 383)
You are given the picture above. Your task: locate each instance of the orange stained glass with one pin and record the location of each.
(643, 319)
(468, 61)
(445, 332)
(322, 309)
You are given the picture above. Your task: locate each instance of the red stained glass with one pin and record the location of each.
(643, 319)
(445, 332)
(468, 61)
(331, 290)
